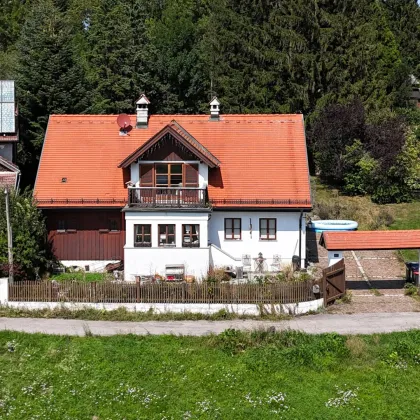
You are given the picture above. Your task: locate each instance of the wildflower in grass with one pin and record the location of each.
(11, 346)
(275, 400)
(345, 397)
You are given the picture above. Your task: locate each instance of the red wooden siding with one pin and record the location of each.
(87, 234)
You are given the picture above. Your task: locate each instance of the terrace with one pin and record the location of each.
(167, 197)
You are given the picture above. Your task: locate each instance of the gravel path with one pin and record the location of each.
(313, 324)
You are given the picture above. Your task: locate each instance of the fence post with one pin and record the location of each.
(4, 291)
(94, 291)
(50, 286)
(138, 289)
(184, 285)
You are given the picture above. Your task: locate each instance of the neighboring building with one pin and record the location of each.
(9, 172)
(415, 91)
(188, 190)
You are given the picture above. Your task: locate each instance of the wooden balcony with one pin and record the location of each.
(175, 197)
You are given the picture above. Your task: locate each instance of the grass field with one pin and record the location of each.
(235, 375)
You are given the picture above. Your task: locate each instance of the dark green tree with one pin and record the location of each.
(31, 249)
(49, 78)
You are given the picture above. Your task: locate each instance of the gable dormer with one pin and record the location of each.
(171, 165)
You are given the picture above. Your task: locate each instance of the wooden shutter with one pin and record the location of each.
(191, 175)
(146, 175)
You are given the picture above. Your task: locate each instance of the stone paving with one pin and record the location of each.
(380, 289)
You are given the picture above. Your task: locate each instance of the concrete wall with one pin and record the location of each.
(211, 308)
(286, 243)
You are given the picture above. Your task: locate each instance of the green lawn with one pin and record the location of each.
(407, 216)
(82, 276)
(231, 376)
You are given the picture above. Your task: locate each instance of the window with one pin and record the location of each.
(169, 175)
(61, 225)
(113, 225)
(166, 235)
(268, 229)
(142, 235)
(233, 229)
(190, 236)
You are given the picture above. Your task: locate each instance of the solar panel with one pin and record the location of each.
(7, 106)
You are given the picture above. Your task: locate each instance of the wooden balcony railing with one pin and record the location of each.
(156, 197)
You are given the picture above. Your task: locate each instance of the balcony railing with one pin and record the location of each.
(148, 197)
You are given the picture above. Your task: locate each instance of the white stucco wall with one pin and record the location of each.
(147, 261)
(286, 244)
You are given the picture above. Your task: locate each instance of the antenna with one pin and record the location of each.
(123, 120)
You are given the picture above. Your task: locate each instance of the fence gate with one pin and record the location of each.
(334, 281)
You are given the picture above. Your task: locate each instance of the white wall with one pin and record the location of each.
(147, 261)
(334, 257)
(286, 243)
(210, 308)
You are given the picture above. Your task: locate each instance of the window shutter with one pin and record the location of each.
(191, 175)
(146, 175)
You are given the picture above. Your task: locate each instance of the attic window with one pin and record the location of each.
(63, 179)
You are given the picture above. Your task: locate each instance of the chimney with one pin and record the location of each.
(142, 111)
(214, 109)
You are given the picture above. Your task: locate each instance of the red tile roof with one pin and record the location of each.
(365, 240)
(263, 161)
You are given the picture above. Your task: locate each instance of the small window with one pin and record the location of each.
(191, 236)
(113, 225)
(268, 229)
(166, 235)
(142, 235)
(233, 229)
(61, 225)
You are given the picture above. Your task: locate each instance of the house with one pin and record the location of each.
(175, 193)
(9, 172)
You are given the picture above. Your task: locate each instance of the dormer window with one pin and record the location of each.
(169, 175)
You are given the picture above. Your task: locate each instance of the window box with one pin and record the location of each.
(142, 244)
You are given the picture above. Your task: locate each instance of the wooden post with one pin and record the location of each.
(9, 237)
(138, 289)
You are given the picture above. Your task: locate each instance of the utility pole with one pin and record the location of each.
(9, 237)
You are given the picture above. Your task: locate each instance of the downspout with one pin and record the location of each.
(300, 239)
